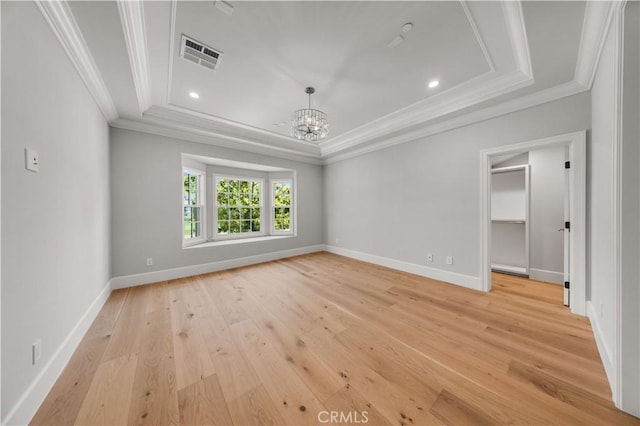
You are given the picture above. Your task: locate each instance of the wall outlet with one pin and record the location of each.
(429, 257)
(449, 260)
(337, 241)
(149, 261)
(31, 159)
(601, 311)
(36, 351)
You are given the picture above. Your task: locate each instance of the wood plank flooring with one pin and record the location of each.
(322, 339)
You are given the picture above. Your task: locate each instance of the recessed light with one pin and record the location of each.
(433, 84)
(407, 27)
(194, 95)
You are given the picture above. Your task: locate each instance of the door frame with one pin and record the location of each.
(576, 142)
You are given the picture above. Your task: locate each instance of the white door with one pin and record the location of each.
(566, 228)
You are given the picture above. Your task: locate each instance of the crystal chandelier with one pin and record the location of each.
(309, 124)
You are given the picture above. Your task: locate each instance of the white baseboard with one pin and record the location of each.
(204, 268)
(603, 347)
(546, 276)
(425, 271)
(26, 407)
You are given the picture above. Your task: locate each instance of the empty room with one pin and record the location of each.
(320, 212)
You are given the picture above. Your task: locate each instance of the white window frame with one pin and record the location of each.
(214, 216)
(272, 206)
(202, 206)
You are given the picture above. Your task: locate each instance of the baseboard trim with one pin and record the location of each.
(603, 348)
(437, 274)
(552, 277)
(133, 280)
(26, 407)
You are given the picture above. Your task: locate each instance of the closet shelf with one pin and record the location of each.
(509, 220)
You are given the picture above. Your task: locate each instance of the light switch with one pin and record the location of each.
(31, 159)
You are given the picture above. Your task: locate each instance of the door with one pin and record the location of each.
(566, 231)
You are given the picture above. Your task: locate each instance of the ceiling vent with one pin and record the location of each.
(198, 53)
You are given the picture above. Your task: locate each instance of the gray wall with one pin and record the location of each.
(630, 184)
(408, 200)
(146, 195)
(55, 224)
(547, 214)
(600, 198)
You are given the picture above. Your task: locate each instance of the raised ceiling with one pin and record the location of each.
(490, 57)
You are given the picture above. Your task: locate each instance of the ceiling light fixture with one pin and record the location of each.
(194, 95)
(433, 84)
(309, 124)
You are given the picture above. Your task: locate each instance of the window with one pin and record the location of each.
(281, 206)
(238, 206)
(192, 204)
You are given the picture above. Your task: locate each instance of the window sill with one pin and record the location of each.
(237, 241)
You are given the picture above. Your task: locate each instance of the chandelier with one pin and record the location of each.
(309, 124)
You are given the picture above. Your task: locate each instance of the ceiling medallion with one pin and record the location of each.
(309, 124)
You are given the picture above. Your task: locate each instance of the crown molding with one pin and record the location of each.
(597, 20)
(64, 26)
(537, 98)
(477, 34)
(232, 129)
(177, 130)
(482, 88)
(518, 36)
(132, 18)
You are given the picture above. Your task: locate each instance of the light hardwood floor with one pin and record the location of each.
(285, 342)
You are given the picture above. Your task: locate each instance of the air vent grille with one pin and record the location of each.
(200, 54)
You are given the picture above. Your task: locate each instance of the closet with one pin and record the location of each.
(510, 220)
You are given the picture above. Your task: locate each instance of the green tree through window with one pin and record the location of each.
(238, 205)
(192, 204)
(282, 206)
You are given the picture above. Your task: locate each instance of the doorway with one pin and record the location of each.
(574, 265)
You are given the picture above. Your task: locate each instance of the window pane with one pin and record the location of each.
(187, 229)
(245, 200)
(246, 226)
(246, 213)
(223, 199)
(234, 199)
(195, 229)
(255, 200)
(281, 194)
(187, 213)
(234, 213)
(223, 213)
(193, 189)
(234, 186)
(244, 187)
(255, 213)
(195, 213)
(234, 226)
(223, 227)
(222, 185)
(255, 225)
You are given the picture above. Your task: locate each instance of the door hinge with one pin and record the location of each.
(566, 284)
(567, 226)
(567, 164)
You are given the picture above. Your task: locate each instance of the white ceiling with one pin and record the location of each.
(483, 53)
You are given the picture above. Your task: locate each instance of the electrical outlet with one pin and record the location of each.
(36, 351)
(149, 261)
(337, 241)
(31, 159)
(429, 257)
(601, 311)
(449, 260)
